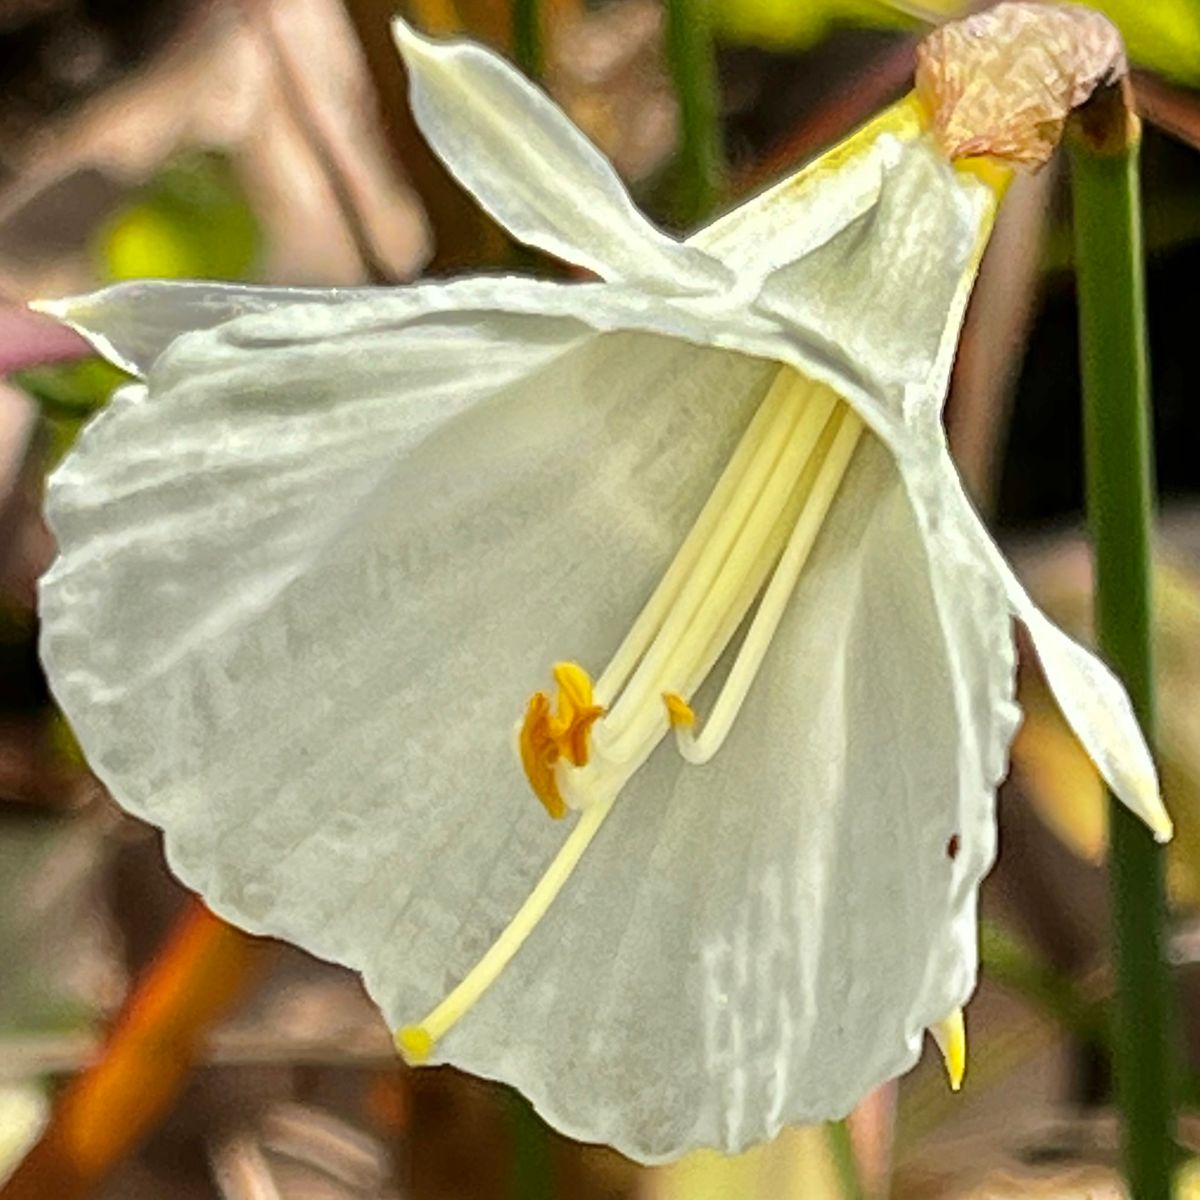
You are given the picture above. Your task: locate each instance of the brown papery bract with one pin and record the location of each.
(1003, 82)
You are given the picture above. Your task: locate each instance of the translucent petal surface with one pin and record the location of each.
(131, 324)
(787, 220)
(1091, 697)
(532, 169)
(312, 571)
(762, 939)
(1098, 709)
(322, 618)
(886, 288)
(892, 239)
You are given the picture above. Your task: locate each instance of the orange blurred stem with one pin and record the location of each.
(202, 970)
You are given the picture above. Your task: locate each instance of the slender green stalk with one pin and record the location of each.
(527, 37)
(693, 69)
(1104, 155)
(532, 1174)
(841, 1150)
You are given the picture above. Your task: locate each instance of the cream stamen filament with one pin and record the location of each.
(743, 477)
(742, 575)
(416, 1041)
(759, 523)
(699, 749)
(689, 628)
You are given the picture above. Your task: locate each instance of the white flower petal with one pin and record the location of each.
(131, 324)
(321, 620)
(805, 209)
(308, 580)
(535, 172)
(761, 940)
(1098, 709)
(311, 570)
(886, 290)
(1091, 697)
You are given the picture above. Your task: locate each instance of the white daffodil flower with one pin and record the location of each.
(314, 564)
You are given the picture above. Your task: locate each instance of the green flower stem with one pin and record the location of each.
(841, 1151)
(531, 1176)
(532, 1173)
(1103, 146)
(692, 64)
(527, 37)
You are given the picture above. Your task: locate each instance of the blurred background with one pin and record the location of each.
(269, 140)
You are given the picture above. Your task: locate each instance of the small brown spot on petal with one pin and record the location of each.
(953, 846)
(1002, 82)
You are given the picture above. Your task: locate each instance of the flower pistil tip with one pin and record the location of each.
(415, 1044)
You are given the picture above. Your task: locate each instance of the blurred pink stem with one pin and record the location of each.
(872, 1133)
(28, 339)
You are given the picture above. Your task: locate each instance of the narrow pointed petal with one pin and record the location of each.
(535, 172)
(1090, 696)
(950, 1034)
(1098, 709)
(131, 324)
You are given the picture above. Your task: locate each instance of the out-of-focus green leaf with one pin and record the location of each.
(73, 389)
(1163, 35)
(797, 24)
(191, 221)
(67, 395)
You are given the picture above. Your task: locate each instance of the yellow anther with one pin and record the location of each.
(414, 1043)
(950, 1034)
(574, 684)
(679, 711)
(549, 735)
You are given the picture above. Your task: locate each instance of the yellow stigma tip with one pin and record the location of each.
(679, 711)
(950, 1035)
(415, 1044)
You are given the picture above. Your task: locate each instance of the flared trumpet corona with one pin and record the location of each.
(358, 590)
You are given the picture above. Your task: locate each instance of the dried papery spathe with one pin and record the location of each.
(1003, 82)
